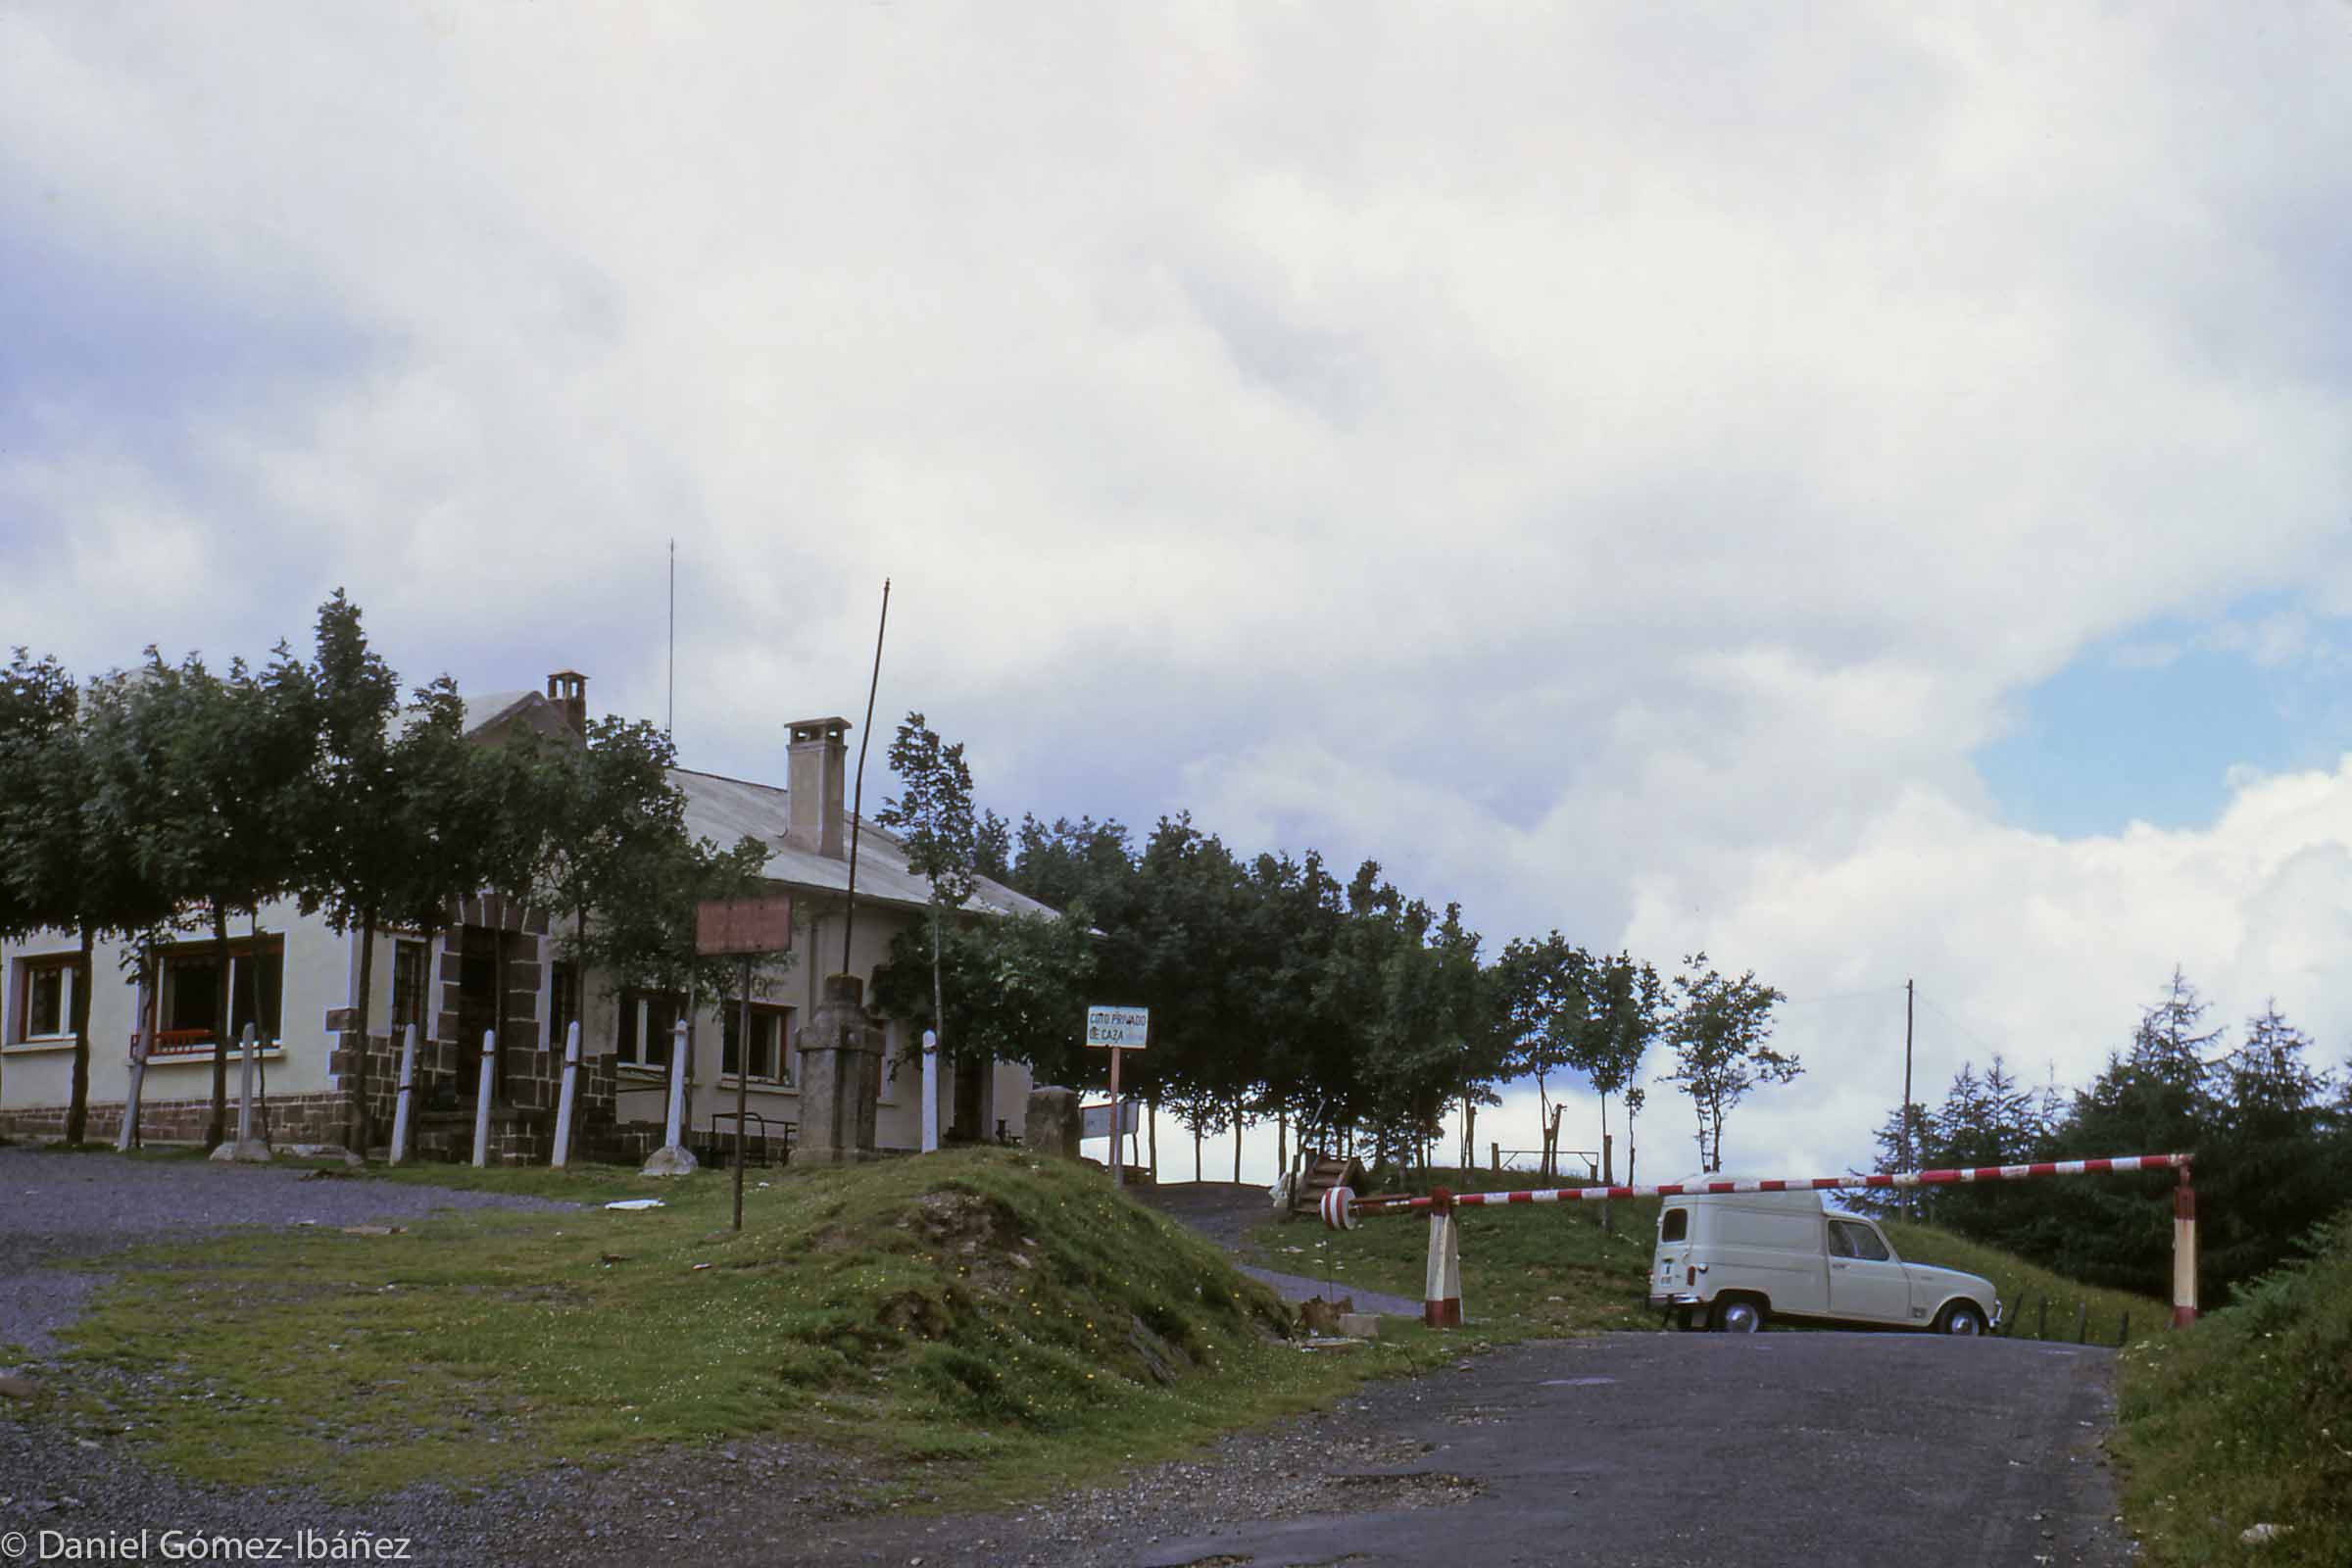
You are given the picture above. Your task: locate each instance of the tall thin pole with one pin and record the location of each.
(669, 720)
(743, 1083)
(1910, 995)
(858, 797)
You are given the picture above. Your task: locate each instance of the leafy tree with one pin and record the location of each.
(991, 848)
(1541, 992)
(1720, 1034)
(1016, 986)
(611, 801)
(235, 757)
(43, 774)
(1626, 1004)
(933, 815)
(646, 895)
(79, 792)
(1636, 1097)
(41, 779)
(1307, 1055)
(374, 783)
(1429, 1040)
(1194, 969)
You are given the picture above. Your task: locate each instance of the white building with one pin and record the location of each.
(495, 969)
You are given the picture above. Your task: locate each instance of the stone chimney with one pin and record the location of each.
(568, 689)
(817, 765)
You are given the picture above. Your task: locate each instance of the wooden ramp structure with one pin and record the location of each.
(1319, 1174)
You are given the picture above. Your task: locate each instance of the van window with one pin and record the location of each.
(1674, 1225)
(1847, 1239)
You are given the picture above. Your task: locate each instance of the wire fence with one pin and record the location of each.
(1531, 1161)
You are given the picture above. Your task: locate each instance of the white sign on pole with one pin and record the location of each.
(1094, 1120)
(1117, 1028)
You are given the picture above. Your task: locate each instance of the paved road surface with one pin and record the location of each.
(1662, 1451)
(1224, 1211)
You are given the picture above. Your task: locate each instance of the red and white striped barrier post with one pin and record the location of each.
(1442, 1301)
(2184, 1252)
(1342, 1210)
(1338, 1208)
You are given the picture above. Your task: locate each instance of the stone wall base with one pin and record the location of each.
(315, 1118)
(516, 1137)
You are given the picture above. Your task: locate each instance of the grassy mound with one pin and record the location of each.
(2246, 1420)
(980, 1308)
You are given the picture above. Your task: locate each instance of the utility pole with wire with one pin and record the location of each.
(669, 720)
(1910, 996)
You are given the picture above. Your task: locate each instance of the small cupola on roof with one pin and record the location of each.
(817, 768)
(568, 689)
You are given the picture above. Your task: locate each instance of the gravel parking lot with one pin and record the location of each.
(59, 1208)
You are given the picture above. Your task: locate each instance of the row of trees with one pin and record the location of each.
(170, 798)
(1347, 1011)
(2271, 1132)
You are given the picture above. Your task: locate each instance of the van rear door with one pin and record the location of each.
(1670, 1263)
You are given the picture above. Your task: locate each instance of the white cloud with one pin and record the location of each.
(2039, 948)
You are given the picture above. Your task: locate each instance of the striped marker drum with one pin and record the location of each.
(1339, 1209)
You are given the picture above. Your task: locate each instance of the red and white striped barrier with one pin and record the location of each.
(1441, 1306)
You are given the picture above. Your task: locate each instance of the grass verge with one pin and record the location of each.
(989, 1323)
(2036, 1304)
(2245, 1420)
(1526, 1272)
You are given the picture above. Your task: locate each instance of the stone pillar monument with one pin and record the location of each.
(841, 1075)
(1054, 1123)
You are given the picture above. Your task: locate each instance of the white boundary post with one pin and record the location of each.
(408, 1090)
(1441, 1299)
(674, 1157)
(127, 1138)
(245, 1086)
(572, 1078)
(674, 1134)
(930, 1091)
(2184, 1252)
(244, 1146)
(482, 1103)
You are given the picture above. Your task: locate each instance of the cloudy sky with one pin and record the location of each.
(1860, 491)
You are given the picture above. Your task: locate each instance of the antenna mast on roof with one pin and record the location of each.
(849, 914)
(670, 717)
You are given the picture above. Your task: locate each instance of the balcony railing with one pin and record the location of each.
(178, 1043)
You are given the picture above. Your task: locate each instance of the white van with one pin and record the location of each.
(1733, 1261)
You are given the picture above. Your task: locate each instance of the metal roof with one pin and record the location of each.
(725, 810)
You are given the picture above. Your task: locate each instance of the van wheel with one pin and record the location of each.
(1961, 1317)
(1739, 1314)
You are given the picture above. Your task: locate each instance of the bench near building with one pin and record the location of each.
(496, 968)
